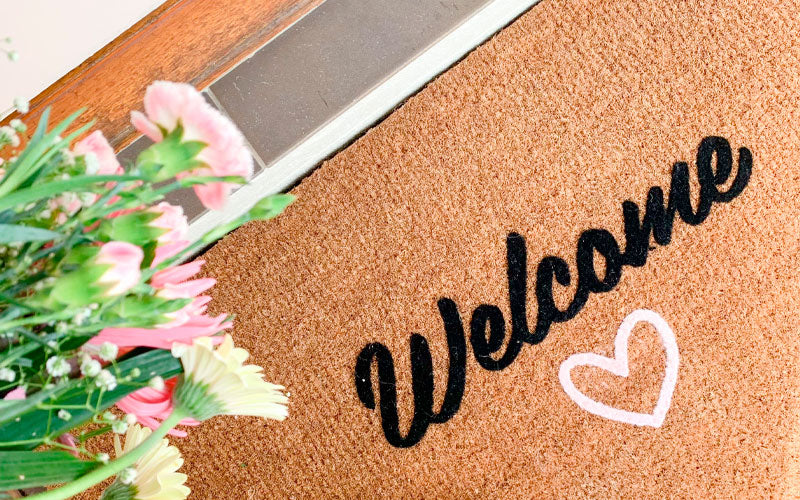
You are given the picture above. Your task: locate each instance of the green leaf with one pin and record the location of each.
(25, 428)
(10, 233)
(11, 410)
(79, 255)
(37, 152)
(148, 306)
(14, 353)
(267, 208)
(41, 128)
(271, 206)
(35, 139)
(208, 179)
(26, 469)
(34, 193)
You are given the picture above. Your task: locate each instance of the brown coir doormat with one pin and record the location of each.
(606, 188)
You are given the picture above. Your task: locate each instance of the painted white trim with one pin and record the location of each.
(298, 161)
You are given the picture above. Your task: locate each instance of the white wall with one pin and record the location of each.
(54, 36)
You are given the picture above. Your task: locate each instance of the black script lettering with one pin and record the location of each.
(657, 222)
(603, 242)
(421, 380)
(483, 348)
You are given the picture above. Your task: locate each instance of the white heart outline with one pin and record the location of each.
(619, 366)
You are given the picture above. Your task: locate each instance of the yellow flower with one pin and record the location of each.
(155, 477)
(217, 382)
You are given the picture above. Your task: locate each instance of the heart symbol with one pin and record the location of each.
(618, 365)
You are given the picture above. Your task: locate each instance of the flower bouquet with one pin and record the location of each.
(97, 309)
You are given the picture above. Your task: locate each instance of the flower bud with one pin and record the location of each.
(21, 104)
(106, 380)
(124, 272)
(7, 374)
(119, 427)
(108, 351)
(113, 270)
(18, 125)
(9, 136)
(90, 367)
(58, 366)
(156, 383)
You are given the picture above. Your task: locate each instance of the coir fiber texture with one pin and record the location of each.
(420, 299)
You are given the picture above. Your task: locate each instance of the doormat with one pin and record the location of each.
(569, 267)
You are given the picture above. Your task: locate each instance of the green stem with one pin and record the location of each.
(82, 438)
(97, 475)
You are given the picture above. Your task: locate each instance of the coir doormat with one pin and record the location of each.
(567, 268)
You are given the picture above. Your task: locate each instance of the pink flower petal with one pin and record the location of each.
(213, 196)
(187, 289)
(125, 260)
(97, 144)
(163, 338)
(172, 220)
(164, 252)
(145, 126)
(225, 153)
(18, 393)
(176, 274)
(150, 406)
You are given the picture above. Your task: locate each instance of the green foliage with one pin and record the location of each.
(55, 216)
(28, 423)
(10, 233)
(90, 183)
(133, 228)
(170, 157)
(79, 287)
(271, 206)
(27, 469)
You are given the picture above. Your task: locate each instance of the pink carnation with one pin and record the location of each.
(151, 406)
(97, 145)
(173, 221)
(125, 260)
(168, 104)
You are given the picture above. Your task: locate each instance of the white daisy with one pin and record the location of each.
(217, 382)
(152, 477)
